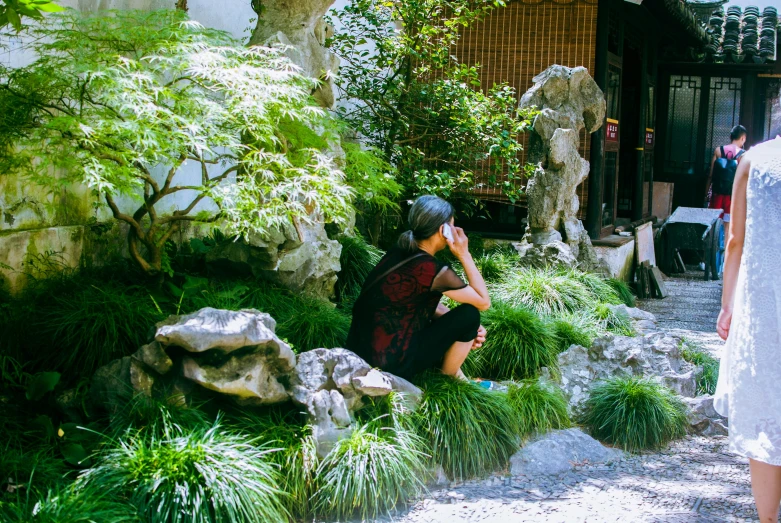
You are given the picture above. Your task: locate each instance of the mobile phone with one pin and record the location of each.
(447, 232)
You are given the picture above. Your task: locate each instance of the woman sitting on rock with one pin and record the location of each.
(398, 324)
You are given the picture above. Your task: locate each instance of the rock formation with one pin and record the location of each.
(559, 451)
(298, 26)
(569, 101)
(238, 354)
(301, 258)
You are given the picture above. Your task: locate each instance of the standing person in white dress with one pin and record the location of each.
(749, 388)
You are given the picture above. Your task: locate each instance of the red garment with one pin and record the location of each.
(721, 201)
(392, 311)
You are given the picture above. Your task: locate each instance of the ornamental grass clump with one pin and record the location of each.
(296, 456)
(519, 345)
(71, 504)
(540, 406)
(635, 414)
(358, 258)
(614, 320)
(570, 331)
(371, 472)
(707, 367)
(544, 291)
(598, 286)
(199, 475)
(471, 431)
(623, 291)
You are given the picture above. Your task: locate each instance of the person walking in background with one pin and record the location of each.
(723, 166)
(750, 320)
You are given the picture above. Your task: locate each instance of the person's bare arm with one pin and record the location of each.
(734, 250)
(476, 293)
(441, 310)
(716, 155)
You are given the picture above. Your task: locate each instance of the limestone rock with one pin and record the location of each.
(253, 379)
(227, 331)
(332, 383)
(558, 451)
(301, 258)
(551, 253)
(655, 355)
(643, 322)
(569, 101)
(703, 418)
(154, 356)
(114, 384)
(298, 26)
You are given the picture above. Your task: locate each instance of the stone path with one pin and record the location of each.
(694, 480)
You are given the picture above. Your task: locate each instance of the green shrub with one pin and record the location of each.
(615, 321)
(358, 258)
(67, 505)
(89, 325)
(623, 291)
(540, 407)
(296, 458)
(518, 345)
(599, 287)
(708, 367)
(26, 468)
(635, 413)
(545, 291)
(471, 431)
(144, 415)
(570, 331)
(371, 472)
(496, 264)
(197, 475)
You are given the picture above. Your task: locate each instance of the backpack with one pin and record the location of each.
(724, 172)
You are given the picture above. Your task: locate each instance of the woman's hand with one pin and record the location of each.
(480, 339)
(459, 245)
(723, 323)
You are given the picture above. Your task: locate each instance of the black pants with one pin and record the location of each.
(428, 347)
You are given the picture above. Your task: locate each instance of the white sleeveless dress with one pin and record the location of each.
(749, 387)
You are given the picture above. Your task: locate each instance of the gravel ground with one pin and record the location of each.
(694, 480)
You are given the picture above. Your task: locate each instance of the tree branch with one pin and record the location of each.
(119, 215)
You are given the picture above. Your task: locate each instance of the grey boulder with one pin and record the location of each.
(558, 452)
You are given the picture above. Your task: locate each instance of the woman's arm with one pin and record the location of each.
(476, 293)
(716, 155)
(734, 250)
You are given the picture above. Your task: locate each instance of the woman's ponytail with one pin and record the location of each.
(407, 242)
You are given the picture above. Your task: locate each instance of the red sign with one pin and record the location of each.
(612, 131)
(649, 137)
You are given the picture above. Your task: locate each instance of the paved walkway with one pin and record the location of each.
(695, 480)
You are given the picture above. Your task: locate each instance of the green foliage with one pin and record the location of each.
(613, 320)
(569, 331)
(203, 474)
(417, 105)
(496, 264)
(143, 415)
(707, 367)
(12, 11)
(471, 431)
(371, 472)
(89, 326)
(22, 469)
(599, 287)
(623, 291)
(545, 291)
(519, 344)
(635, 413)
(296, 458)
(372, 178)
(540, 406)
(358, 258)
(129, 92)
(69, 504)
(305, 322)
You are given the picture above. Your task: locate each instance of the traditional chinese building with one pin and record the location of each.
(675, 85)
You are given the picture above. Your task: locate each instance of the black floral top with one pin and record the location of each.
(391, 311)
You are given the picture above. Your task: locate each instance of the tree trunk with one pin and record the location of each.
(181, 5)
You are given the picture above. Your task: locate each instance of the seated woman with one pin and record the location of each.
(398, 323)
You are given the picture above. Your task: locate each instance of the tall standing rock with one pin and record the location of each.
(569, 101)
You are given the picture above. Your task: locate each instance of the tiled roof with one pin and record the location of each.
(743, 36)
